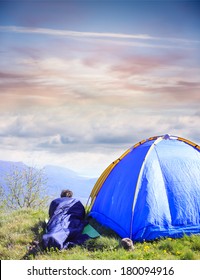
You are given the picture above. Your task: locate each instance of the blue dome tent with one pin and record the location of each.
(151, 191)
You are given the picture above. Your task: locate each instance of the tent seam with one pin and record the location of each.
(139, 178)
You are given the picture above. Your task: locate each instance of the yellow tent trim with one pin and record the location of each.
(103, 177)
(107, 171)
(189, 142)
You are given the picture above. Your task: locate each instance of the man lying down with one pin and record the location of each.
(66, 223)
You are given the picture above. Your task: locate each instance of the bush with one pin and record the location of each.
(23, 188)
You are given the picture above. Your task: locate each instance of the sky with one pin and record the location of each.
(83, 81)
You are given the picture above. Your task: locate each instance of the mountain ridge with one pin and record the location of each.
(58, 178)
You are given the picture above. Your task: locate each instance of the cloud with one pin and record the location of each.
(6, 76)
(83, 106)
(69, 135)
(189, 84)
(135, 81)
(69, 33)
(135, 65)
(115, 38)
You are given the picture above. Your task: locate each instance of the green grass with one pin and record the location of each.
(19, 228)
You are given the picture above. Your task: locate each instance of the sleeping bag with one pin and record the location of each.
(66, 223)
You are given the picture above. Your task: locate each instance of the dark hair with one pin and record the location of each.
(66, 193)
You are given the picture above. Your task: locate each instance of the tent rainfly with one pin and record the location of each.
(151, 191)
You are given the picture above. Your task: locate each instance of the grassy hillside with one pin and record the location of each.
(18, 229)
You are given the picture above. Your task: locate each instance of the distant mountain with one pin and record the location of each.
(58, 178)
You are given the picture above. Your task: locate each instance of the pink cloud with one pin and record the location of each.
(135, 65)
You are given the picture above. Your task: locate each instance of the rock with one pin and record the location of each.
(127, 244)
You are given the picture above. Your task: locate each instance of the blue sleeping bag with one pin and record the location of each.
(66, 223)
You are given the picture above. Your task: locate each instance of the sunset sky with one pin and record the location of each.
(83, 81)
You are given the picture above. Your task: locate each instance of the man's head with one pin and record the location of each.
(66, 193)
